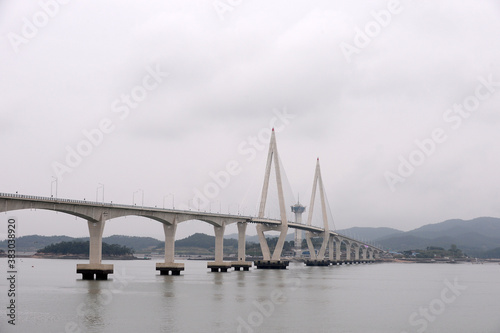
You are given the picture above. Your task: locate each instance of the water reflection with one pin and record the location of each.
(373, 298)
(170, 315)
(241, 279)
(92, 311)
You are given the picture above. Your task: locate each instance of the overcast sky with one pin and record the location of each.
(399, 100)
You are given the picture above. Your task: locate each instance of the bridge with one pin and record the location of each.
(97, 213)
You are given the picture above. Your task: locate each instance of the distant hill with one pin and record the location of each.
(484, 226)
(478, 237)
(494, 253)
(139, 244)
(202, 244)
(475, 237)
(32, 243)
(369, 234)
(203, 241)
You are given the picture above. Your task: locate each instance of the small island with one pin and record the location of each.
(80, 250)
(432, 254)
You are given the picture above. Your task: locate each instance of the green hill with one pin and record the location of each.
(32, 243)
(202, 244)
(138, 244)
(82, 248)
(478, 237)
(203, 241)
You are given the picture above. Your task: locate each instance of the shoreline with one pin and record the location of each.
(72, 256)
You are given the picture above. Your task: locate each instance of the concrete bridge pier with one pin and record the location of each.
(241, 263)
(219, 265)
(348, 253)
(274, 262)
(365, 252)
(310, 246)
(322, 250)
(330, 252)
(338, 251)
(356, 254)
(169, 266)
(319, 259)
(95, 267)
(370, 255)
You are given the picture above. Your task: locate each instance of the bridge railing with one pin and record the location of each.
(110, 204)
(54, 199)
(114, 205)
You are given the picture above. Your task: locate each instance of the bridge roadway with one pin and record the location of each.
(97, 213)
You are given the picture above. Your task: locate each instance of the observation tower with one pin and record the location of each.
(298, 209)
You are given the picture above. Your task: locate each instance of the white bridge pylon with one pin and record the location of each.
(318, 187)
(272, 156)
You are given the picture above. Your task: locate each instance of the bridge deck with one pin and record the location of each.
(194, 214)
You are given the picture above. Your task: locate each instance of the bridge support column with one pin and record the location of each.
(241, 263)
(338, 251)
(310, 246)
(356, 254)
(365, 252)
(330, 251)
(322, 250)
(264, 247)
(275, 262)
(318, 260)
(348, 249)
(169, 266)
(95, 267)
(219, 264)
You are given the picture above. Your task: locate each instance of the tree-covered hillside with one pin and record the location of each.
(33, 243)
(82, 248)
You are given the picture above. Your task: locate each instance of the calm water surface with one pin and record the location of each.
(362, 298)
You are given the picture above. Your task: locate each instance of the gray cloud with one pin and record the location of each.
(226, 80)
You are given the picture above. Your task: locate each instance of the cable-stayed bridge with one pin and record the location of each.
(97, 214)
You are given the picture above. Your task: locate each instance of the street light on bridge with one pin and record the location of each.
(133, 197)
(210, 205)
(51, 185)
(100, 185)
(237, 208)
(173, 198)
